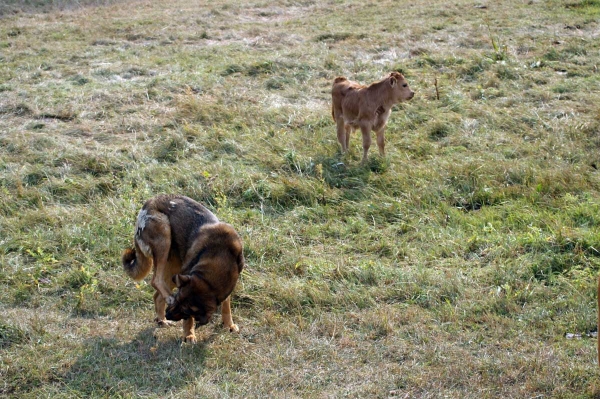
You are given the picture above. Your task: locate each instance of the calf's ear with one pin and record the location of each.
(393, 81)
(181, 280)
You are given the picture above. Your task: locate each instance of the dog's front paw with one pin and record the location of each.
(190, 339)
(233, 328)
(170, 300)
(164, 322)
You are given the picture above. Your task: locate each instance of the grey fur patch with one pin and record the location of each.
(140, 225)
(145, 248)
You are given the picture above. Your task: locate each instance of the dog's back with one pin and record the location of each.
(175, 216)
(186, 218)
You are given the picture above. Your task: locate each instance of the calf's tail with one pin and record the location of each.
(337, 80)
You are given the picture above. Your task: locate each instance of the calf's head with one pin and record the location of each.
(191, 300)
(400, 89)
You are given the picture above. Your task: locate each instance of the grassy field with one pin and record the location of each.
(461, 265)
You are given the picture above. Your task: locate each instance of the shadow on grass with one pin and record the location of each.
(109, 367)
(350, 174)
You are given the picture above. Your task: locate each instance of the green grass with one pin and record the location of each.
(453, 267)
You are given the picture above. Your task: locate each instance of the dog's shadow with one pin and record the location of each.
(141, 365)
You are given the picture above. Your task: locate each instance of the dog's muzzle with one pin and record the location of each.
(171, 314)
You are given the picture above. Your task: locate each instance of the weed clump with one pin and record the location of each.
(171, 149)
(11, 335)
(439, 130)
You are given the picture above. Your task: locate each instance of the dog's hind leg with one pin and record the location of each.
(161, 246)
(226, 315)
(159, 308)
(172, 266)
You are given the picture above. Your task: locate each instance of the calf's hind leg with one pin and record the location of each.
(366, 138)
(381, 141)
(342, 134)
(349, 130)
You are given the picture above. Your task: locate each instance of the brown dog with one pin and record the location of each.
(366, 107)
(187, 247)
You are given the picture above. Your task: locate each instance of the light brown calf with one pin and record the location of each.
(366, 107)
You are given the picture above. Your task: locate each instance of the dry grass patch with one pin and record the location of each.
(461, 265)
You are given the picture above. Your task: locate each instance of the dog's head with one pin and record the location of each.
(192, 299)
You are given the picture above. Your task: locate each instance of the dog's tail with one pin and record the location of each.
(240, 262)
(136, 267)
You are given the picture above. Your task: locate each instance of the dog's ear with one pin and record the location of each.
(181, 280)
